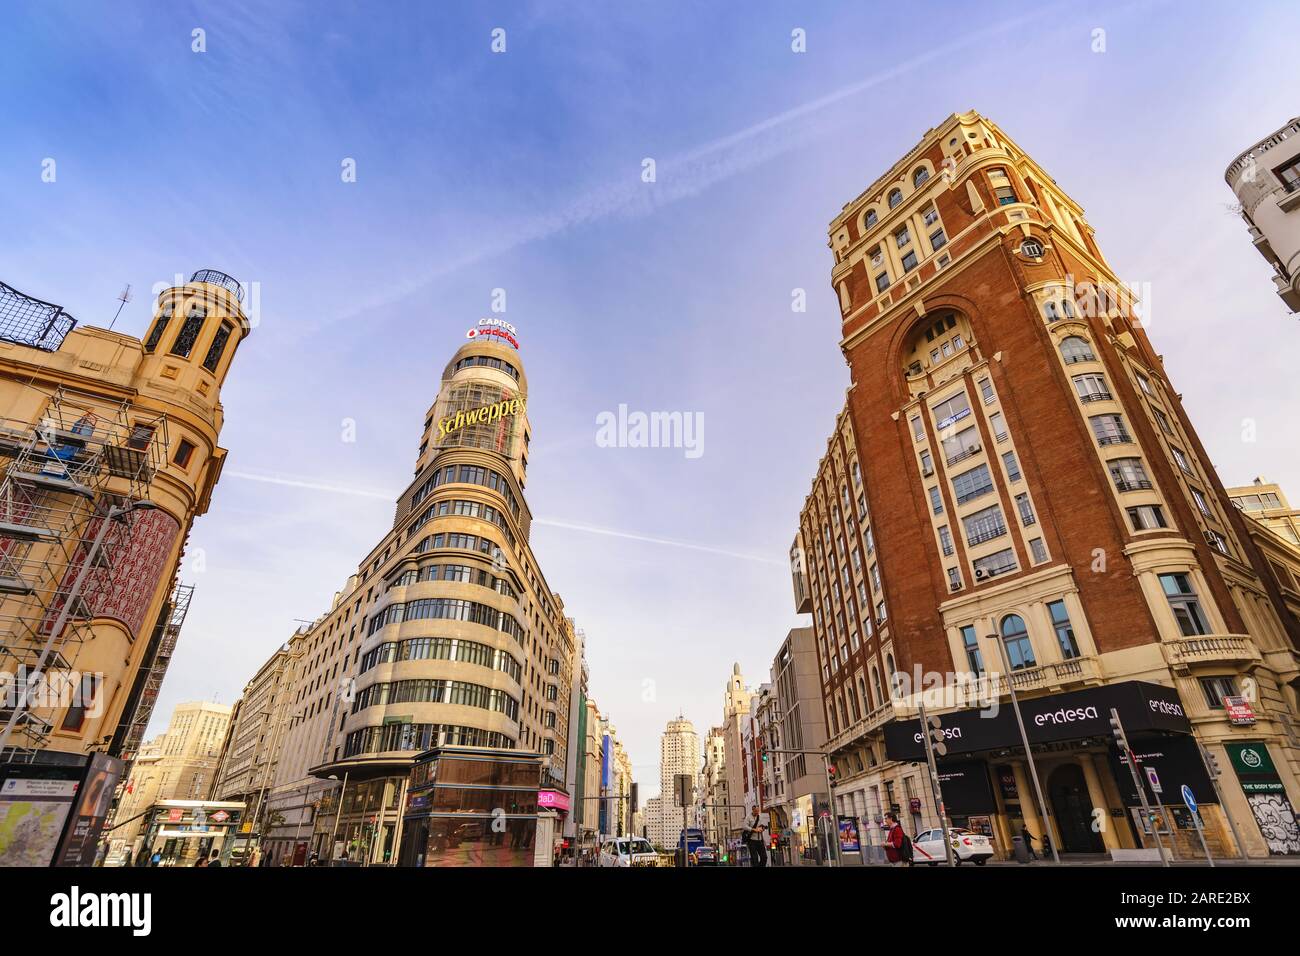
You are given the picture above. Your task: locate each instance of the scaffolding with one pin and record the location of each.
(73, 482)
(169, 630)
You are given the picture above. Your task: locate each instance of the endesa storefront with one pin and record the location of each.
(1092, 803)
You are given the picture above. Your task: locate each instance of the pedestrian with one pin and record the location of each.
(155, 859)
(898, 846)
(755, 841)
(201, 861)
(1029, 841)
(216, 858)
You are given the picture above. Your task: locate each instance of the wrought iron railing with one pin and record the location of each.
(213, 277)
(32, 322)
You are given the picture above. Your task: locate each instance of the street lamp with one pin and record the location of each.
(113, 513)
(1024, 739)
(338, 813)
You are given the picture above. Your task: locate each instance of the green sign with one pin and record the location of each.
(1254, 768)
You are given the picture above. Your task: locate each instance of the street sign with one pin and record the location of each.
(1154, 780)
(1238, 710)
(1189, 798)
(221, 816)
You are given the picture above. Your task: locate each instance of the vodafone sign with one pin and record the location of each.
(498, 328)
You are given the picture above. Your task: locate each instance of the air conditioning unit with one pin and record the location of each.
(973, 448)
(927, 472)
(980, 574)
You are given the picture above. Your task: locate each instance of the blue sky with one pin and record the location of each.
(522, 171)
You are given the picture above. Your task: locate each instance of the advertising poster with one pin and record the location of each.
(850, 842)
(32, 813)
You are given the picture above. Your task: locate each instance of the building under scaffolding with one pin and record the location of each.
(108, 450)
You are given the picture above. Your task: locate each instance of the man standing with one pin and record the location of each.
(898, 848)
(755, 840)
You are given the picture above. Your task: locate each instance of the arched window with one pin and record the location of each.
(871, 218)
(1032, 248)
(920, 175)
(866, 698)
(875, 681)
(1068, 308)
(1049, 309)
(895, 197)
(1076, 349)
(853, 699)
(1016, 638)
(893, 676)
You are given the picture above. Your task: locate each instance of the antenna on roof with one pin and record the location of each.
(123, 297)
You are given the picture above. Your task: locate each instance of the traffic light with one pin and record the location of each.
(935, 731)
(830, 772)
(1117, 729)
(1211, 764)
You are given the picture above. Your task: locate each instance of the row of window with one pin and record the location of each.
(449, 609)
(427, 691)
(391, 737)
(464, 509)
(463, 542)
(488, 361)
(189, 334)
(467, 475)
(461, 573)
(441, 649)
(1015, 637)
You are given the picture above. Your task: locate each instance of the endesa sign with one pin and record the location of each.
(1056, 717)
(498, 328)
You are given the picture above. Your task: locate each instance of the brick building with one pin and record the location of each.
(1013, 467)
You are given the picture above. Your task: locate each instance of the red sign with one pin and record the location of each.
(552, 800)
(1239, 710)
(221, 816)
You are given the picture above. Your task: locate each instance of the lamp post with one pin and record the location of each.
(113, 513)
(1024, 739)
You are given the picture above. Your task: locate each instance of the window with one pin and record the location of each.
(1181, 459)
(877, 257)
(1002, 190)
(1020, 652)
(1143, 382)
(951, 410)
(1289, 175)
(1032, 248)
(1076, 349)
(1216, 541)
(1202, 505)
(895, 197)
(213, 358)
(931, 216)
(920, 175)
(945, 539)
(1110, 430)
(1128, 474)
(1064, 629)
(1091, 387)
(910, 261)
(936, 501)
(1049, 310)
(938, 240)
(986, 391)
(984, 525)
(1163, 421)
(1025, 509)
(870, 218)
(927, 463)
(1146, 517)
(970, 641)
(902, 237)
(970, 485)
(1038, 550)
(998, 425)
(82, 702)
(1183, 601)
(189, 332)
(184, 451)
(882, 282)
(1217, 688)
(954, 579)
(995, 564)
(1011, 465)
(918, 429)
(155, 336)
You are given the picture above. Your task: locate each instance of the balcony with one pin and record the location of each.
(1076, 670)
(213, 277)
(859, 728)
(31, 322)
(1185, 653)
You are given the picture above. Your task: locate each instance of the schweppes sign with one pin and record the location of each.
(484, 415)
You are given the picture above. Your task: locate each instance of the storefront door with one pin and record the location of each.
(1072, 810)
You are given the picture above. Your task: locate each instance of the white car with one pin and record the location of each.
(628, 851)
(927, 847)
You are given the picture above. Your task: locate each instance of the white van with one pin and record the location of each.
(628, 851)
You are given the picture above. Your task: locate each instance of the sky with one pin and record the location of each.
(524, 170)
